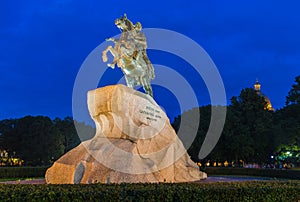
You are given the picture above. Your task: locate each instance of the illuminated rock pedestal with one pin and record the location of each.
(134, 142)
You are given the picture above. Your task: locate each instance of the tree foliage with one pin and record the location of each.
(38, 140)
(294, 94)
(252, 133)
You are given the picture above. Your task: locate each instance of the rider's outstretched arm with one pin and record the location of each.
(112, 39)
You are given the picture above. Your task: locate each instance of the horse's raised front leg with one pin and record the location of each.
(112, 65)
(104, 53)
(113, 52)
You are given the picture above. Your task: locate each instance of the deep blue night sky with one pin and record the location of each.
(43, 44)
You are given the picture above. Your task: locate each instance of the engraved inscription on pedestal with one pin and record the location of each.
(144, 118)
(151, 113)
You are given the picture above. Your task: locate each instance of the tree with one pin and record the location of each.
(35, 139)
(294, 94)
(187, 129)
(68, 131)
(247, 134)
(39, 140)
(251, 132)
(287, 123)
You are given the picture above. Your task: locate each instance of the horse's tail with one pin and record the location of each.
(151, 71)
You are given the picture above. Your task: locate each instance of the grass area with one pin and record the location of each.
(16, 179)
(22, 172)
(244, 176)
(269, 173)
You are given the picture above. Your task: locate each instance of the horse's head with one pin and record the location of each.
(123, 23)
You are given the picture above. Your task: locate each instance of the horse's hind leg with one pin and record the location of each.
(129, 81)
(147, 86)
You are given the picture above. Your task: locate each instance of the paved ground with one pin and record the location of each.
(209, 179)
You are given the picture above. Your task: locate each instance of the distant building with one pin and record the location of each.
(258, 91)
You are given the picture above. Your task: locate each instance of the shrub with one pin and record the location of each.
(233, 191)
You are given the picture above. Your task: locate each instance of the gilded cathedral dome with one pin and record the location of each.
(267, 100)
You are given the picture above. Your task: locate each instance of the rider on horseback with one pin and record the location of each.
(130, 54)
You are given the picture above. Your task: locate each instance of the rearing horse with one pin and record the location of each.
(130, 55)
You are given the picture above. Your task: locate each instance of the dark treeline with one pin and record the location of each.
(39, 140)
(251, 133)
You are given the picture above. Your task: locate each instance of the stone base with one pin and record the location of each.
(134, 143)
